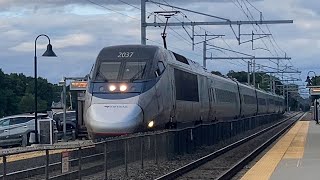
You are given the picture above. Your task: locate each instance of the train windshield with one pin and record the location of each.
(108, 71)
(134, 70)
(121, 71)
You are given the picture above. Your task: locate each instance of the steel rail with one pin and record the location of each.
(195, 164)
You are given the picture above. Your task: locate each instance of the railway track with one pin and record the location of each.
(94, 163)
(228, 161)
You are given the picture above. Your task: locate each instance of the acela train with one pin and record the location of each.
(139, 87)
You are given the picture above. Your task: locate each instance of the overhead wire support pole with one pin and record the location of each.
(254, 73)
(192, 38)
(205, 50)
(223, 21)
(143, 23)
(248, 77)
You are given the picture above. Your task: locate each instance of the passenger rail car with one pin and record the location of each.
(137, 87)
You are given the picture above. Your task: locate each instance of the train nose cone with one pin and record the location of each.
(112, 119)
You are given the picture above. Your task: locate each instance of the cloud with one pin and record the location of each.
(60, 42)
(79, 30)
(10, 3)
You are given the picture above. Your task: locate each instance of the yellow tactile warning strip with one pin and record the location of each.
(264, 168)
(296, 148)
(30, 155)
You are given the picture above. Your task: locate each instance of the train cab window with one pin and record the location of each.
(160, 69)
(134, 70)
(108, 71)
(180, 58)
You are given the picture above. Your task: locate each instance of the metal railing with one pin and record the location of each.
(121, 152)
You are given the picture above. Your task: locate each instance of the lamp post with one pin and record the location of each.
(308, 80)
(47, 53)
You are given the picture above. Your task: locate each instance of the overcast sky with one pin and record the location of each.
(79, 29)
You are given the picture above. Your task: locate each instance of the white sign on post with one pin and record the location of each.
(65, 161)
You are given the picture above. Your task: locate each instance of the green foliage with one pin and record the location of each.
(27, 103)
(315, 81)
(17, 94)
(216, 73)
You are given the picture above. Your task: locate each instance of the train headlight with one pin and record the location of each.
(123, 87)
(112, 87)
(151, 124)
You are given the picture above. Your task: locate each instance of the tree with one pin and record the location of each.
(17, 94)
(27, 103)
(216, 73)
(240, 76)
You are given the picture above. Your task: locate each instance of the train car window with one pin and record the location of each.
(160, 67)
(108, 71)
(180, 58)
(226, 96)
(262, 101)
(134, 70)
(186, 86)
(249, 99)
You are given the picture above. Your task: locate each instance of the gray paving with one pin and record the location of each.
(307, 168)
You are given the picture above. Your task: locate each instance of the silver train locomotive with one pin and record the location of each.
(136, 87)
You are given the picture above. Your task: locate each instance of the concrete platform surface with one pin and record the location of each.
(295, 156)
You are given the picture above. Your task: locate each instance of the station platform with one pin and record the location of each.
(295, 156)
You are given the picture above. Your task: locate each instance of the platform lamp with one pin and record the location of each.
(308, 80)
(48, 53)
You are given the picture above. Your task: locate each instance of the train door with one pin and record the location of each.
(212, 110)
(203, 105)
(172, 94)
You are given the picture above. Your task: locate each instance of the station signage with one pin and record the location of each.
(78, 85)
(314, 91)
